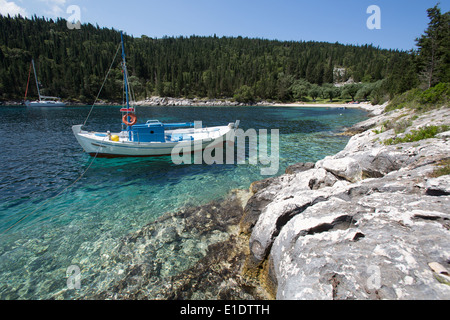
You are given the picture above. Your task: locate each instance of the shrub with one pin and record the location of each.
(442, 170)
(404, 99)
(417, 135)
(422, 100)
(437, 94)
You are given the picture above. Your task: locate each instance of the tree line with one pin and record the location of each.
(73, 63)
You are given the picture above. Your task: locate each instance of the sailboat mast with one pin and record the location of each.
(35, 77)
(28, 83)
(124, 66)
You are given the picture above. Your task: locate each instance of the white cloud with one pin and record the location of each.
(12, 9)
(55, 8)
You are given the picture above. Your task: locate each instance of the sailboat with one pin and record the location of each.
(152, 138)
(44, 101)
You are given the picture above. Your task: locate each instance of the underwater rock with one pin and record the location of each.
(194, 253)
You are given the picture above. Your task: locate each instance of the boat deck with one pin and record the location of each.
(171, 136)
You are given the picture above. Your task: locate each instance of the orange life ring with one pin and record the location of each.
(132, 119)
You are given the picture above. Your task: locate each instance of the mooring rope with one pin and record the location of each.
(85, 171)
(104, 82)
(52, 198)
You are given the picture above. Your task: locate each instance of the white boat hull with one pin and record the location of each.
(100, 144)
(44, 104)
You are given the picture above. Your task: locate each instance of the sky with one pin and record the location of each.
(343, 21)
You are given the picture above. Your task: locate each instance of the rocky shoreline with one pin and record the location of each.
(185, 102)
(157, 101)
(164, 102)
(371, 222)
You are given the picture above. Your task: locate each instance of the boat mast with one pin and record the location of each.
(35, 77)
(124, 66)
(28, 83)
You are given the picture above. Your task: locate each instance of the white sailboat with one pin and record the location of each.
(152, 138)
(44, 101)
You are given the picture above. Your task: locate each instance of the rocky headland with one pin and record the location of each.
(371, 222)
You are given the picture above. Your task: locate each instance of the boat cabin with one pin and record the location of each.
(154, 131)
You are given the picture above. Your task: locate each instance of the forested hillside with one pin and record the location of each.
(72, 64)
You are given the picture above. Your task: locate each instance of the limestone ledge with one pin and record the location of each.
(362, 224)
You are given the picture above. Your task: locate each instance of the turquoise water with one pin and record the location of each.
(42, 235)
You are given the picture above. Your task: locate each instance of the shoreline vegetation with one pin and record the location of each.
(198, 102)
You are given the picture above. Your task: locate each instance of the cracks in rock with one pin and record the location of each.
(340, 223)
(436, 192)
(335, 281)
(343, 222)
(280, 223)
(358, 235)
(284, 219)
(442, 220)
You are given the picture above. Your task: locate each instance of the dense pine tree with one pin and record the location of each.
(72, 64)
(433, 56)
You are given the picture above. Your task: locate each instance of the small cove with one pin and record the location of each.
(117, 197)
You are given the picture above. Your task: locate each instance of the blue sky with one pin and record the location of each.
(341, 21)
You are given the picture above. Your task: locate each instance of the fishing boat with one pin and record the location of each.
(152, 138)
(44, 101)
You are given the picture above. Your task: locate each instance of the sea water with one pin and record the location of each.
(59, 205)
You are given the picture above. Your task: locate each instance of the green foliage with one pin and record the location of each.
(407, 99)
(436, 95)
(433, 57)
(351, 90)
(73, 63)
(365, 91)
(422, 100)
(331, 91)
(315, 91)
(284, 86)
(417, 135)
(300, 89)
(402, 125)
(398, 124)
(244, 94)
(443, 169)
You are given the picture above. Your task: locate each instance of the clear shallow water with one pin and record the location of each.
(40, 157)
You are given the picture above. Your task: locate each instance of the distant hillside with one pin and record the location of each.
(72, 63)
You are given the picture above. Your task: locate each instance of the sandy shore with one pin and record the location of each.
(312, 105)
(375, 110)
(320, 105)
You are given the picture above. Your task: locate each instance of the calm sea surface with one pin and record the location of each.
(40, 235)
